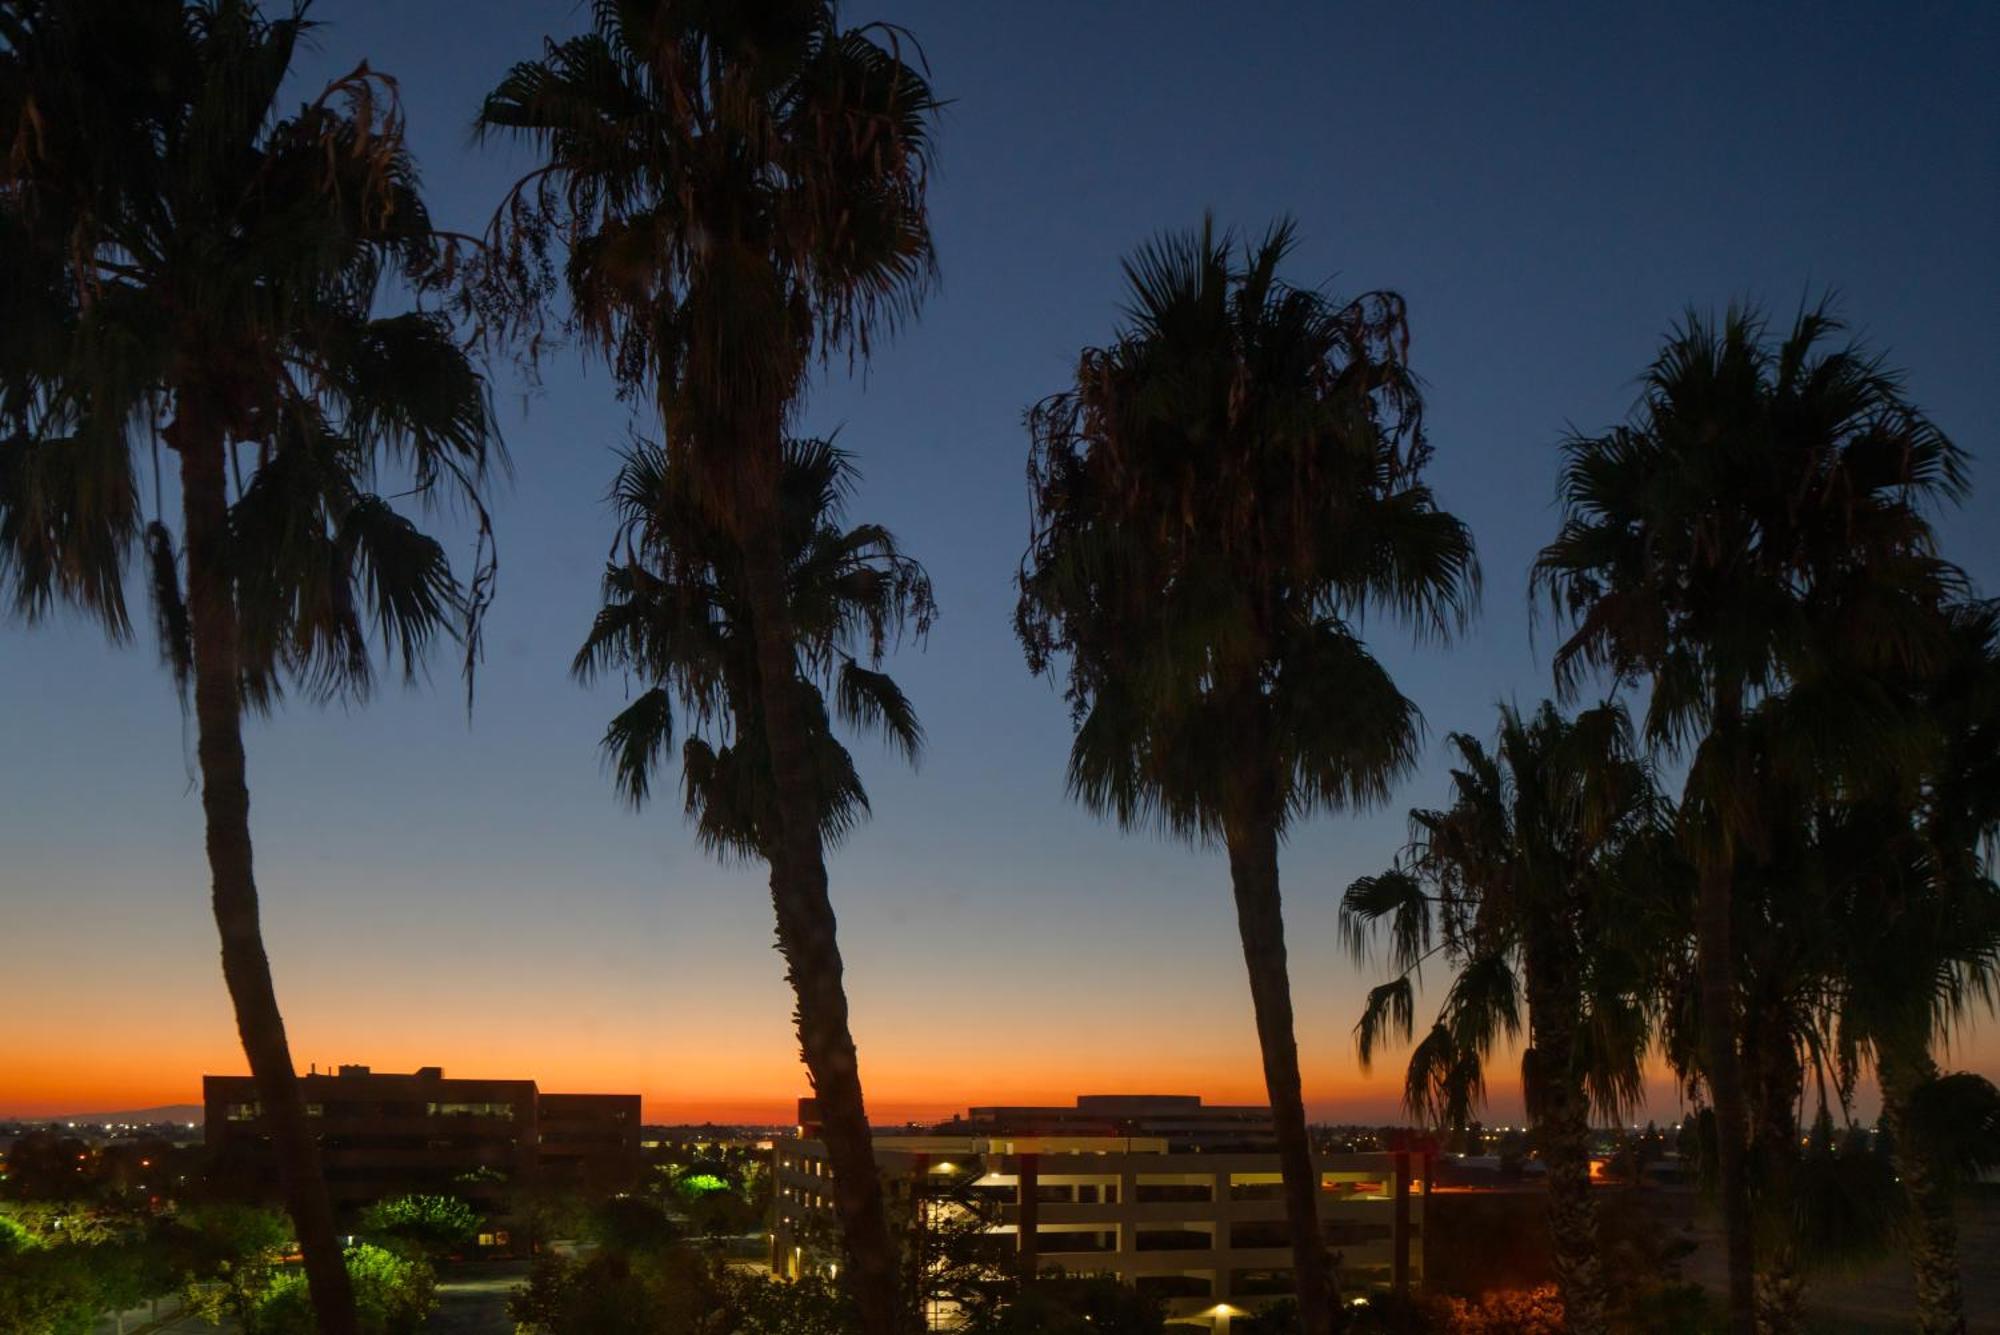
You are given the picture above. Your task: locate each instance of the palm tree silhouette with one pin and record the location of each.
(187, 271)
(1526, 884)
(739, 187)
(1223, 493)
(677, 616)
(1758, 525)
(1920, 923)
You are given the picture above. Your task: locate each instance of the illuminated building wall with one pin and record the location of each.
(1191, 1214)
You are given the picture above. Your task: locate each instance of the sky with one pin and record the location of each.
(1548, 186)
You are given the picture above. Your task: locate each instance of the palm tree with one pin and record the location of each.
(1221, 496)
(1788, 955)
(677, 617)
(1529, 870)
(1758, 523)
(1922, 922)
(185, 268)
(739, 187)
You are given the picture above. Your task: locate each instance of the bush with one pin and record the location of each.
(393, 1295)
(675, 1291)
(1537, 1311)
(631, 1226)
(210, 1239)
(14, 1236)
(428, 1226)
(47, 1291)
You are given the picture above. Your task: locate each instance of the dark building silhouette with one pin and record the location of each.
(383, 1134)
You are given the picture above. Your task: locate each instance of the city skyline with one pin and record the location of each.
(1546, 194)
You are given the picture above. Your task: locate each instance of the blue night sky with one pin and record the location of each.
(1549, 186)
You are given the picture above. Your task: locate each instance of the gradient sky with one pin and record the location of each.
(1548, 185)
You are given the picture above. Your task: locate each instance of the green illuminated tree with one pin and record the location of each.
(1530, 882)
(740, 187)
(430, 1226)
(1760, 523)
(187, 274)
(1226, 490)
(393, 1295)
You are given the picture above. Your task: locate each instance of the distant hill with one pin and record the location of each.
(168, 1112)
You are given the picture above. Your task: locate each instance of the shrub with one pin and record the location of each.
(14, 1236)
(47, 1291)
(393, 1295)
(429, 1226)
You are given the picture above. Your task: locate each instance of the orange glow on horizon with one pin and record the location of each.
(50, 1083)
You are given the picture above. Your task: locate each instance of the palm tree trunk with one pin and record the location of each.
(1561, 1113)
(807, 937)
(225, 800)
(1779, 1078)
(1260, 920)
(1715, 970)
(1933, 1234)
(1715, 984)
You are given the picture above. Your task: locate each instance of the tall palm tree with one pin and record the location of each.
(740, 186)
(677, 616)
(1788, 954)
(1525, 878)
(1922, 925)
(186, 268)
(1759, 521)
(1226, 490)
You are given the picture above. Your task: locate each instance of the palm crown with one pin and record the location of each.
(1536, 863)
(172, 247)
(1225, 489)
(1918, 884)
(737, 185)
(676, 614)
(1759, 524)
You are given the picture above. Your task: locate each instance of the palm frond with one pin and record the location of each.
(636, 739)
(1389, 1016)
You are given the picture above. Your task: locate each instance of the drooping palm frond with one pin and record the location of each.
(1446, 1080)
(1539, 878)
(1956, 1120)
(675, 615)
(731, 203)
(1224, 494)
(1762, 504)
(1389, 1015)
(177, 248)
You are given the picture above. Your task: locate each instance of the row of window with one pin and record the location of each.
(250, 1112)
(1245, 1236)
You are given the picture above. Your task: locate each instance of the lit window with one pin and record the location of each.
(505, 1110)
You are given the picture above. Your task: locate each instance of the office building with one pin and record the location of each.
(383, 1134)
(1182, 1200)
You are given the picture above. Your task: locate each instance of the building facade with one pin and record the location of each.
(383, 1134)
(1192, 1212)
